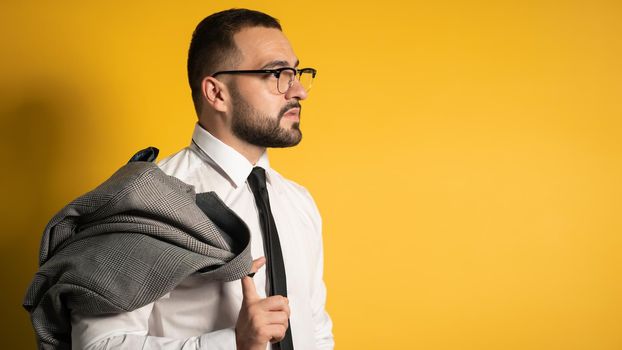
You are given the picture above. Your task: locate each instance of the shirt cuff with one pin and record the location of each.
(223, 339)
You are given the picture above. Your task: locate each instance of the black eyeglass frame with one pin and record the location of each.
(276, 72)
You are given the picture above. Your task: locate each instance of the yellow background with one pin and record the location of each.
(466, 156)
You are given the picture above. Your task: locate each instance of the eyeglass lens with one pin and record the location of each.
(286, 79)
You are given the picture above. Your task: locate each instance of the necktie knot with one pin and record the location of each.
(257, 178)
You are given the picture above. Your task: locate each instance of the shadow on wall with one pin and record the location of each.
(34, 123)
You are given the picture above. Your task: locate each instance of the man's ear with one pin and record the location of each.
(214, 93)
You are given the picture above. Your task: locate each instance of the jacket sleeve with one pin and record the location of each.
(129, 330)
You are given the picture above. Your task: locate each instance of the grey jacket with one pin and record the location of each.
(127, 243)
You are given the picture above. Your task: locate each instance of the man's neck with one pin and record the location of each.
(251, 152)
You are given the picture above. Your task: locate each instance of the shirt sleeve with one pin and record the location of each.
(129, 330)
(322, 321)
(323, 324)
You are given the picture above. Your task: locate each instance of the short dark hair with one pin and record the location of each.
(212, 44)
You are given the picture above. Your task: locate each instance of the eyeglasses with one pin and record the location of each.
(284, 76)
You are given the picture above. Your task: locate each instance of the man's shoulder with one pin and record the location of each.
(193, 167)
(185, 165)
(177, 161)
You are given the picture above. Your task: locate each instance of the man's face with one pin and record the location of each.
(260, 114)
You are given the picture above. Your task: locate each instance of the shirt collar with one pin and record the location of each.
(233, 164)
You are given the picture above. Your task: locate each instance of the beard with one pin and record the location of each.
(260, 129)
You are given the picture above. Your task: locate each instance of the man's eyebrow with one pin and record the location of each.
(279, 63)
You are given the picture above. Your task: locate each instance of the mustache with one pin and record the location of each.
(287, 107)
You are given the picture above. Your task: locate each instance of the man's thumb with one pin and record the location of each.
(249, 292)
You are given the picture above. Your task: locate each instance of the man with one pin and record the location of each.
(246, 91)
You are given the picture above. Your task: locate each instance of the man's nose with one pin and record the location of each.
(296, 90)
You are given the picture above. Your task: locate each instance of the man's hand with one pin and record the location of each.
(260, 320)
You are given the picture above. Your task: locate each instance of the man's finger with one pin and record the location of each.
(249, 292)
(257, 264)
(277, 332)
(277, 317)
(275, 303)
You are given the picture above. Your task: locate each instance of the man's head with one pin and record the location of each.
(254, 108)
(213, 47)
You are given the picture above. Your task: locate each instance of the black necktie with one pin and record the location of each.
(275, 268)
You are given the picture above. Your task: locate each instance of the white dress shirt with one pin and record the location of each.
(201, 314)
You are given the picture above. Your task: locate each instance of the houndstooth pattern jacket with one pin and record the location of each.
(127, 243)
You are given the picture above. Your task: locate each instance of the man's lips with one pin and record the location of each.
(294, 112)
